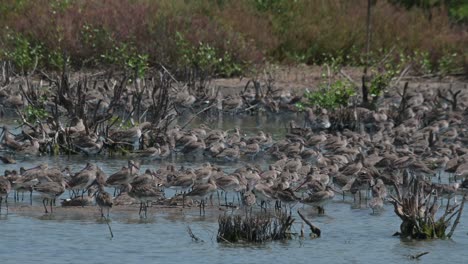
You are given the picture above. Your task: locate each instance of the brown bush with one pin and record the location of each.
(304, 30)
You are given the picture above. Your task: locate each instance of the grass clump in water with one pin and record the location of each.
(254, 228)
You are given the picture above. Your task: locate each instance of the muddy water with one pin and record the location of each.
(77, 235)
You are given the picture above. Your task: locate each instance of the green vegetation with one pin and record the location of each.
(126, 56)
(449, 63)
(34, 114)
(206, 58)
(330, 96)
(457, 9)
(460, 12)
(226, 38)
(23, 53)
(124, 124)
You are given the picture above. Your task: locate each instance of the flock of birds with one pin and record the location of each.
(195, 183)
(309, 165)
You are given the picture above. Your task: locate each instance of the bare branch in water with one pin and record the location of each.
(457, 220)
(193, 236)
(315, 230)
(417, 256)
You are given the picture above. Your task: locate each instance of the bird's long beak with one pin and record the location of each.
(93, 183)
(134, 166)
(302, 184)
(335, 190)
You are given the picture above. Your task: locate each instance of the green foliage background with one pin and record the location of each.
(229, 37)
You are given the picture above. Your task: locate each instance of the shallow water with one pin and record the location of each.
(77, 235)
(348, 236)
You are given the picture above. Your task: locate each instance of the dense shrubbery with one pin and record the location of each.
(228, 35)
(332, 96)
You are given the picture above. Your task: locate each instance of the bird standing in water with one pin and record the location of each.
(5, 188)
(103, 200)
(49, 191)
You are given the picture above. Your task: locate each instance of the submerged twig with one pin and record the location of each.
(193, 236)
(315, 230)
(457, 220)
(417, 256)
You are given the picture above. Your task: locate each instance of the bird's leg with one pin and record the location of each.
(44, 203)
(30, 195)
(52, 201)
(141, 207)
(1, 198)
(203, 207)
(183, 200)
(6, 202)
(82, 194)
(321, 210)
(201, 202)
